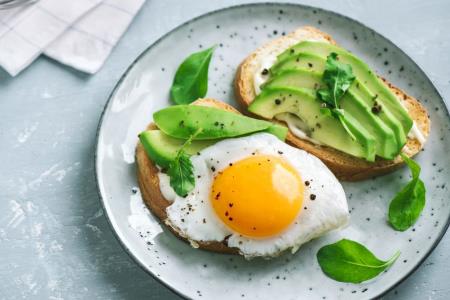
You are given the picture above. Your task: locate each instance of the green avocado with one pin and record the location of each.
(386, 143)
(162, 149)
(296, 78)
(181, 121)
(358, 89)
(361, 70)
(322, 127)
(306, 61)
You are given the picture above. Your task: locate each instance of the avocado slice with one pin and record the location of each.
(181, 121)
(361, 70)
(358, 89)
(162, 149)
(296, 78)
(386, 143)
(307, 61)
(322, 127)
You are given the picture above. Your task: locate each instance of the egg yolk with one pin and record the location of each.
(259, 196)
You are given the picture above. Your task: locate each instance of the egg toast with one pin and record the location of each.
(344, 166)
(147, 172)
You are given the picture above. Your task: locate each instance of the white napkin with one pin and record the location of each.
(78, 33)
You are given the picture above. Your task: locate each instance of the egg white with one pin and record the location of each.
(194, 218)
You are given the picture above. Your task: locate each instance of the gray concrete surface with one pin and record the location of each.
(55, 242)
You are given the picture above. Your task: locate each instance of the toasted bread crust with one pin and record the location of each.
(148, 180)
(344, 166)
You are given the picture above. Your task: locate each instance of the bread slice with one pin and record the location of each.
(344, 166)
(148, 179)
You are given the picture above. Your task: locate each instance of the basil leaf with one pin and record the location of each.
(191, 78)
(349, 261)
(407, 205)
(338, 77)
(181, 170)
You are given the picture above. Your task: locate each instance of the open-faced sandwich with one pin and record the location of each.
(248, 192)
(335, 105)
(229, 183)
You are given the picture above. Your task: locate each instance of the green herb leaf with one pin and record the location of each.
(339, 113)
(181, 170)
(181, 173)
(191, 78)
(349, 261)
(407, 205)
(337, 77)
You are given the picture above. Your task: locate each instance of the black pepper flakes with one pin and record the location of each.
(217, 196)
(265, 72)
(312, 197)
(307, 183)
(277, 101)
(213, 169)
(376, 108)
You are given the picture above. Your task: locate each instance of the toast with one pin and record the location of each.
(149, 185)
(344, 166)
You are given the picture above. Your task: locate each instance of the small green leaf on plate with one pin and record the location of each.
(407, 205)
(191, 78)
(349, 261)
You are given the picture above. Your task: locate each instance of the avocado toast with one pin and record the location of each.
(284, 77)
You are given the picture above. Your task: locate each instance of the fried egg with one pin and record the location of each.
(259, 194)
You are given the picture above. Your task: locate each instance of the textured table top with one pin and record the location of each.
(55, 242)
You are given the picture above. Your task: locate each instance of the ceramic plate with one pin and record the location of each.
(199, 274)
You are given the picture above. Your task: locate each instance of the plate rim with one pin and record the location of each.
(207, 14)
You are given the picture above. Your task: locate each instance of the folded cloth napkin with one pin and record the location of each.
(78, 33)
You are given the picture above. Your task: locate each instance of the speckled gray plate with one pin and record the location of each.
(199, 274)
